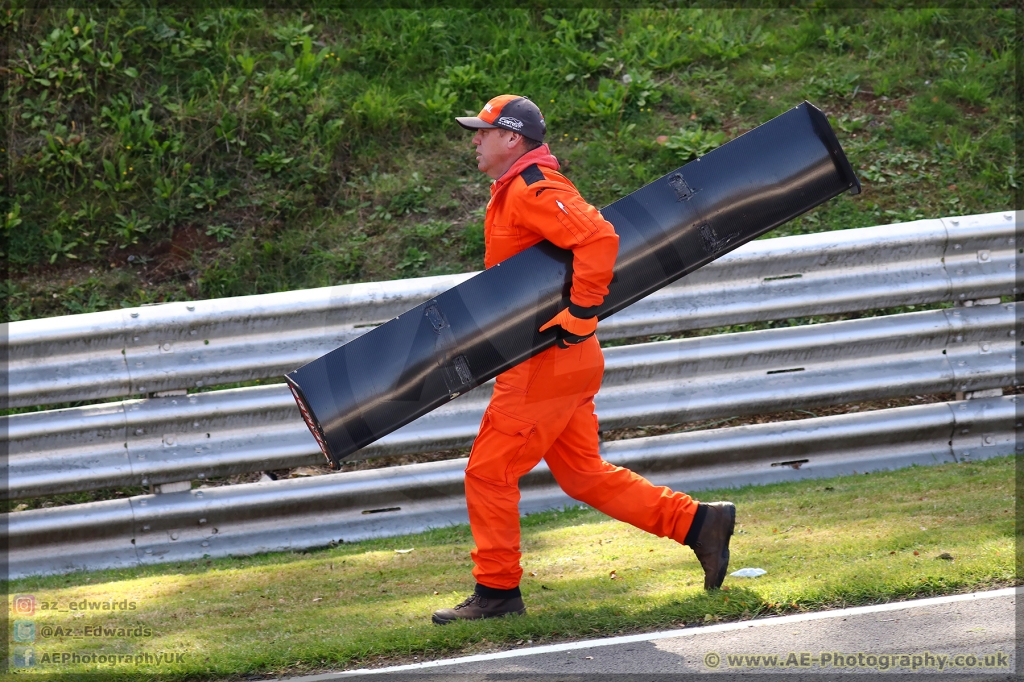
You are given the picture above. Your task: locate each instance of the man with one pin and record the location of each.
(544, 407)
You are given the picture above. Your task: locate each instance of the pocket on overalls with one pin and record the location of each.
(518, 431)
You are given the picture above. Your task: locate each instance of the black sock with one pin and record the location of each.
(698, 522)
(494, 593)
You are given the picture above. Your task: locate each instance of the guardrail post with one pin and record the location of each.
(984, 428)
(175, 486)
(989, 392)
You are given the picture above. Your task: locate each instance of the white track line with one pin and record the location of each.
(665, 634)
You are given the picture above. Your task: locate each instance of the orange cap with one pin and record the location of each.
(510, 112)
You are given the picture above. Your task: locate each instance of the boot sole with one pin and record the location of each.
(720, 578)
(445, 621)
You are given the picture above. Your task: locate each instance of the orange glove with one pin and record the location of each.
(573, 329)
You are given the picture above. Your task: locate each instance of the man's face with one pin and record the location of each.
(496, 150)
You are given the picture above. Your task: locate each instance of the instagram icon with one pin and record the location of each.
(24, 605)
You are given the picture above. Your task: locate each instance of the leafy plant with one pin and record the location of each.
(380, 109)
(221, 232)
(473, 240)
(439, 103)
(411, 199)
(11, 219)
(130, 227)
(694, 142)
(58, 246)
(207, 193)
(835, 38)
(413, 259)
(273, 162)
(606, 104)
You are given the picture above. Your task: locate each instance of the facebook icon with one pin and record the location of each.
(24, 657)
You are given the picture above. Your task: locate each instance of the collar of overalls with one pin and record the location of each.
(541, 156)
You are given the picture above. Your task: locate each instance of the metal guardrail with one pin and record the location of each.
(250, 429)
(311, 512)
(182, 437)
(203, 343)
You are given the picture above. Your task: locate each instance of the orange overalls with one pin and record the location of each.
(544, 407)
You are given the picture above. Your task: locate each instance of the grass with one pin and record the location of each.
(824, 543)
(162, 153)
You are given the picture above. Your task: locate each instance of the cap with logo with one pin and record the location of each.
(510, 112)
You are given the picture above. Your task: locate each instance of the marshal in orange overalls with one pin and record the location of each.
(544, 407)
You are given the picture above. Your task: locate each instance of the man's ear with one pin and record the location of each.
(514, 139)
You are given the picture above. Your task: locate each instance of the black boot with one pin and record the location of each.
(709, 538)
(485, 602)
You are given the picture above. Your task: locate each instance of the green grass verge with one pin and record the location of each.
(825, 543)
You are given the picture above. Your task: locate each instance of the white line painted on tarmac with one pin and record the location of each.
(665, 634)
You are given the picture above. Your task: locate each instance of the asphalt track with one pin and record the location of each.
(968, 636)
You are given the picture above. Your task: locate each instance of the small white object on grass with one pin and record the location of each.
(748, 573)
(404, 551)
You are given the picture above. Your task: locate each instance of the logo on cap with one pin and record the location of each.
(487, 107)
(510, 122)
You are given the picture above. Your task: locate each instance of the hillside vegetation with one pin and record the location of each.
(165, 154)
